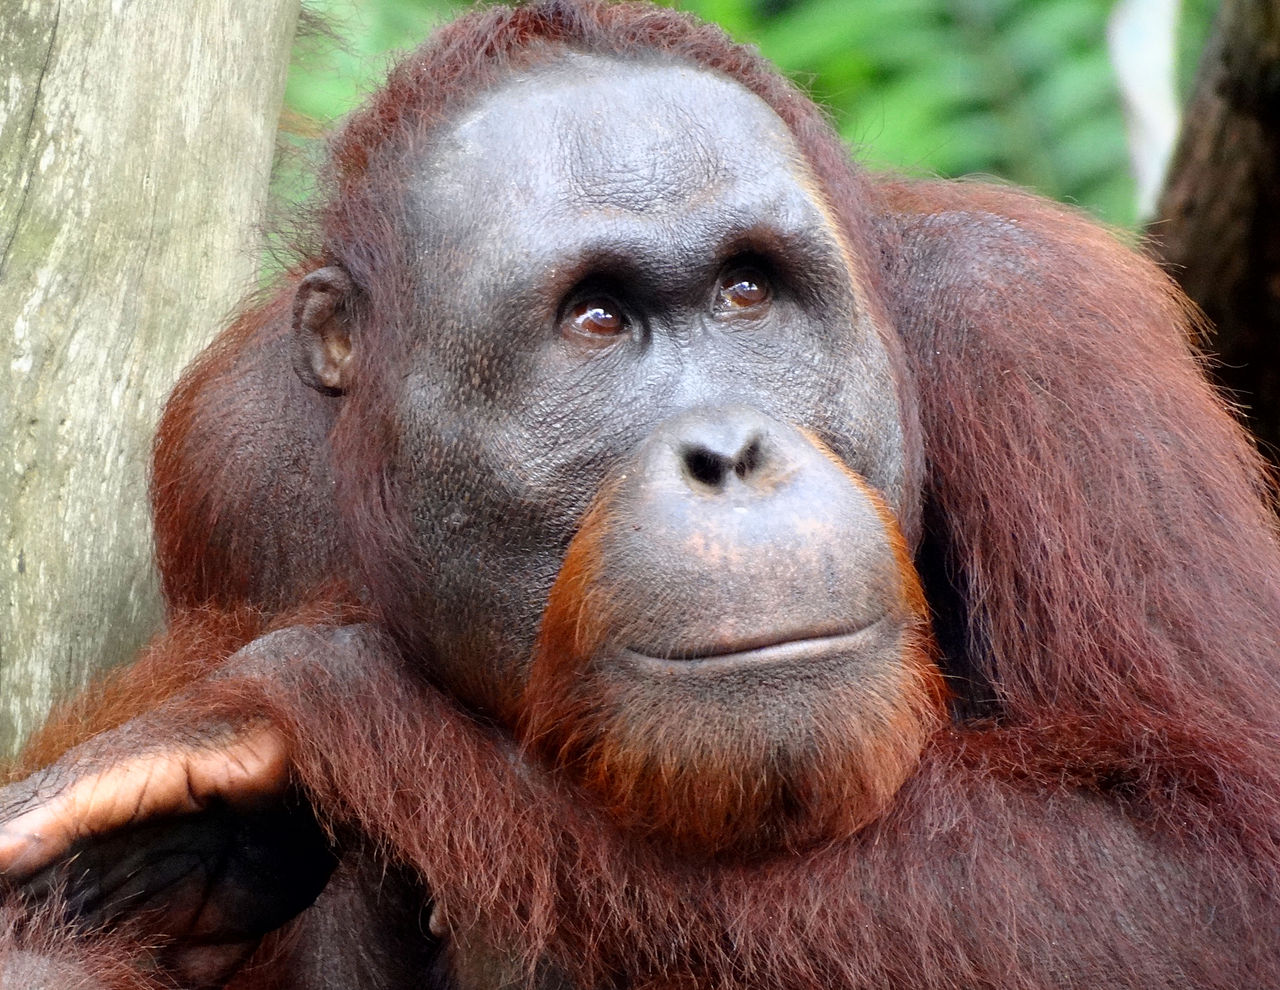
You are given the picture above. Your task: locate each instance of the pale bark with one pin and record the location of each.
(136, 139)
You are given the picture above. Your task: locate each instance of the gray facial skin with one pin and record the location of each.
(635, 192)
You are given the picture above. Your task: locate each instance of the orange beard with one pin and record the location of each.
(727, 761)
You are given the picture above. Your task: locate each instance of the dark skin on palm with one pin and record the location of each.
(554, 564)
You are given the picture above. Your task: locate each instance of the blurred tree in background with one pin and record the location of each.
(1019, 89)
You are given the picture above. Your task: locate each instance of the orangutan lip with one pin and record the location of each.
(739, 655)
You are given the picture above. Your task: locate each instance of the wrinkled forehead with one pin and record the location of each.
(643, 138)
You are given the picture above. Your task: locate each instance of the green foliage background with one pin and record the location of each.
(1020, 89)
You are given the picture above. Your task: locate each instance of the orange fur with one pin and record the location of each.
(1099, 557)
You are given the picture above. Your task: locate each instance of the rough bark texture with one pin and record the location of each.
(135, 149)
(1218, 231)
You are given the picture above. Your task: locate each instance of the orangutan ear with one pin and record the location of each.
(322, 338)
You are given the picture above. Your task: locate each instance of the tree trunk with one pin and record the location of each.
(136, 140)
(1219, 226)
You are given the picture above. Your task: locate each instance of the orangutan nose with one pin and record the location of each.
(715, 448)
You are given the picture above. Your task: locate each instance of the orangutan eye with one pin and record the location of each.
(597, 317)
(742, 288)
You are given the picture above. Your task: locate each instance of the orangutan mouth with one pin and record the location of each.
(751, 652)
